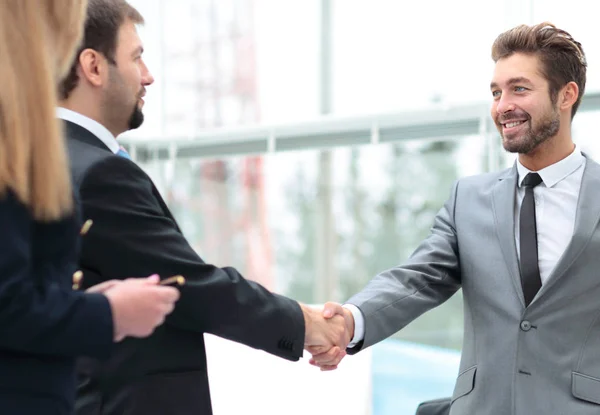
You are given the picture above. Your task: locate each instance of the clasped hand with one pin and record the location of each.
(328, 332)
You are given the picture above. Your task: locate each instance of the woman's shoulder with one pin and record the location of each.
(16, 212)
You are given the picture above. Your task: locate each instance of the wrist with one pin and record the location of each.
(307, 314)
(349, 321)
(116, 316)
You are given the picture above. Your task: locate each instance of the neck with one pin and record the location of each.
(85, 106)
(549, 152)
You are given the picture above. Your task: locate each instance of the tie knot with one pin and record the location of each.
(531, 180)
(123, 153)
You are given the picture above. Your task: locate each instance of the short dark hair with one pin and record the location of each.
(561, 56)
(103, 20)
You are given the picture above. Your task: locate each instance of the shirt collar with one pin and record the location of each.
(94, 127)
(556, 172)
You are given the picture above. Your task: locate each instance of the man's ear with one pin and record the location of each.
(93, 67)
(568, 95)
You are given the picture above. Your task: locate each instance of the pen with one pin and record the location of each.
(86, 227)
(176, 280)
(77, 277)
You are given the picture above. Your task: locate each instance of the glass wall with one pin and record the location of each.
(366, 207)
(318, 225)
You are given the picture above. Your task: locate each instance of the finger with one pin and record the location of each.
(169, 294)
(338, 359)
(102, 287)
(152, 279)
(316, 350)
(323, 353)
(157, 322)
(331, 309)
(330, 360)
(167, 309)
(331, 357)
(325, 367)
(340, 334)
(164, 294)
(170, 308)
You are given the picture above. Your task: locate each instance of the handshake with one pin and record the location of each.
(139, 305)
(328, 332)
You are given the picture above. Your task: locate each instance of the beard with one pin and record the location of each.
(534, 135)
(118, 102)
(136, 119)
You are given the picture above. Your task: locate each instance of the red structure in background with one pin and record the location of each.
(255, 225)
(232, 200)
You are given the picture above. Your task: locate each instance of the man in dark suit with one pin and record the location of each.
(134, 234)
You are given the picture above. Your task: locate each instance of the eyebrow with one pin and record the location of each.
(513, 81)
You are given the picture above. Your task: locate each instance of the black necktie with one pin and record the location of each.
(530, 272)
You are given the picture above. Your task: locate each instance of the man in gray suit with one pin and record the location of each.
(523, 244)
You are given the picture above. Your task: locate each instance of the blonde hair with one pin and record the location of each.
(38, 39)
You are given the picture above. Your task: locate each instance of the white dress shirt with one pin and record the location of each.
(92, 126)
(555, 209)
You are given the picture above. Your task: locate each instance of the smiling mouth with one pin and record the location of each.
(512, 124)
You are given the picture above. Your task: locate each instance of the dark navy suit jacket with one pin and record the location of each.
(44, 324)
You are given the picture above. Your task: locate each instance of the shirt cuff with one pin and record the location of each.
(359, 324)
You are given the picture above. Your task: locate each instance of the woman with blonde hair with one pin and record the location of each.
(44, 323)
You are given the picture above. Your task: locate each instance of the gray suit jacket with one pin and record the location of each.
(543, 359)
(439, 406)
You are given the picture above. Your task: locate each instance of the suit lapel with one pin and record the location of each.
(586, 220)
(504, 216)
(76, 132)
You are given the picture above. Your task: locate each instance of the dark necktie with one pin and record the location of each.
(530, 272)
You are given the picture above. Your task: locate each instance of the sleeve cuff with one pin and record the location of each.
(100, 333)
(359, 324)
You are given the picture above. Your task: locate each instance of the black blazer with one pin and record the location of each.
(135, 235)
(44, 324)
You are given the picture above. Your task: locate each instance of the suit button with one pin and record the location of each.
(525, 325)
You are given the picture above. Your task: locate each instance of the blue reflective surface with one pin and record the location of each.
(406, 374)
